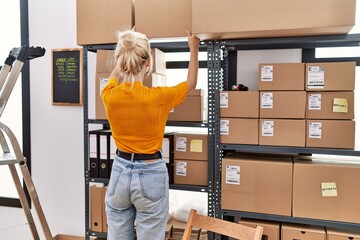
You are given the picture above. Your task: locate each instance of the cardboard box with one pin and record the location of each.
(155, 80)
(333, 234)
(302, 232)
(330, 133)
(104, 218)
(239, 130)
(330, 105)
(192, 109)
(257, 184)
(281, 76)
(96, 206)
(100, 81)
(282, 132)
(96, 22)
(191, 172)
(239, 104)
(327, 190)
(333, 76)
(271, 229)
(163, 18)
(67, 237)
(282, 104)
(167, 152)
(191, 146)
(254, 19)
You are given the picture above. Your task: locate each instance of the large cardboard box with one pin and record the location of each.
(163, 18)
(333, 76)
(242, 104)
(98, 21)
(191, 146)
(327, 190)
(192, 109)
(191, 172)
(330, 133)
(253, 19)
(271, 229)
(257, 184)
(282, 104)
(281, 76)
(302, 232)
(336, 234)
(282, 132)
(239, 131)
(330, 105)
(96, 206)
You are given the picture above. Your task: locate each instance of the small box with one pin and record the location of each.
(330, 105)
(327, 189)
(333, 76)
(162, 18)
(271, 229)
(96, 206)
(191, 146)
(191, 172)
(240, 104)
(239, 131)
(282, 104)
(330, 133)
(336, 234)
(257, 184)
(302, 232)
(103, 195)
(192, 109)
(97, 25)
(282, 132)
(281, 76)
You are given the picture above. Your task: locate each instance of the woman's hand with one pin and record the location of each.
(193, 41)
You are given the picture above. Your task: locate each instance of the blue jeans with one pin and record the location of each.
(137, 191)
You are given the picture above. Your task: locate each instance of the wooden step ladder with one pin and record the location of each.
(11, 151)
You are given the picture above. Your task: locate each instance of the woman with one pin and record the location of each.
(138, 187)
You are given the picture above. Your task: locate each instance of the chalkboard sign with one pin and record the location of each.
(67, 76)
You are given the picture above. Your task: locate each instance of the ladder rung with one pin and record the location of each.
(7, 158)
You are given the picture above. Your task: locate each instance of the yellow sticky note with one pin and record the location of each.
(328, 189)
(196, 145)
(340, 105)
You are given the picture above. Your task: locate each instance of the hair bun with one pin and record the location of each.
(128, 41)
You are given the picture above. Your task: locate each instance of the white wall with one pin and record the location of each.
(56, 131)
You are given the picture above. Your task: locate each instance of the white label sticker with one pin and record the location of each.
(315, 77)
(232, 175)
(165, 151)
(224, 100)
(181, 144)
(315, 129)
(181, 168)
(267, 128)
(266, 73)
(103, 82)
(266, 100)
(314, 101)
(328, 189)
(224, 127)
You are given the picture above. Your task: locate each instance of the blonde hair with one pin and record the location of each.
(131, 53)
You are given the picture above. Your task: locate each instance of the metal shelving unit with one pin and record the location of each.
(212, 87)
(227, 58)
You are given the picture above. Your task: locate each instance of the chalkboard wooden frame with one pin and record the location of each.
(67, 76)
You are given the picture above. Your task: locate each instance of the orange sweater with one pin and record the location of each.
(138, 114)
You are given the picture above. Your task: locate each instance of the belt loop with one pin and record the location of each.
(132, 157)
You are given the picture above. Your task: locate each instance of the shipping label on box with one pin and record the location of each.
(224, 100)
(266, 73)
(314, 102)
(315, 129)
(181, 144)
(267, 100)
(224, 127)
(315, 77)
(267, 128)
(232, 175)
(181, 168)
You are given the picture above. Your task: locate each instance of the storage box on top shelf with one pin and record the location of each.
(281, 76)
(98, 21)
(190, 172)
(330, 105)
(239, 131)
(191, 146)
(282, 132)
(240, 104)
(302, 232)
(333, 76)
(338, 234)
(330, 133)
(282, 104)
(257, 184)
(192, 109)
(254, 19)
(327, 190)
(163, 18)
(271, 229)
